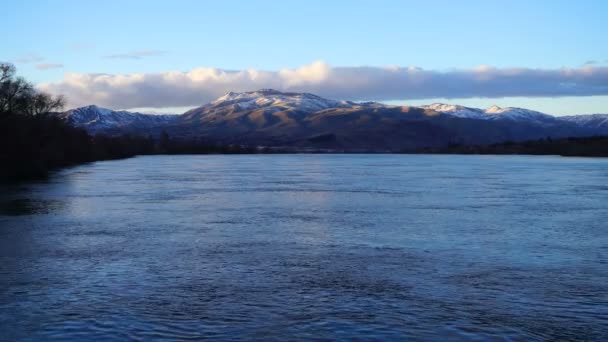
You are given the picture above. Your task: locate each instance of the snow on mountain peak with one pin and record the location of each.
(442, 107)
(264, 98)
(94, 119)
(494, 110)
(513, 113)
(94, 109)
(456, 110)
(492, 113)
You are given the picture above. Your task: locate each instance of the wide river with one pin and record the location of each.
(299, 247)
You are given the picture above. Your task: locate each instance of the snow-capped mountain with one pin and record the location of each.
(242, 112)
(457, 111)
(519, 114)
(101, 120)
(274, 100)
(301, 120)
(494, 113)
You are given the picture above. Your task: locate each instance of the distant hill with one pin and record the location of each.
(302, 121)
(101, 120)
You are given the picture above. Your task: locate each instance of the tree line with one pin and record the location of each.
(568, 147)
(34, 141)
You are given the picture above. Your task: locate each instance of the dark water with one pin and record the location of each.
(309, 247)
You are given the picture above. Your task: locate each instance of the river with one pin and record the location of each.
(289, 247)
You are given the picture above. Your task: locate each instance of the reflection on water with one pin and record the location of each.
(28, 206)
(308, 246)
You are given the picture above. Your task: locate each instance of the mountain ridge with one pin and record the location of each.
(269, 117)
(96, 119)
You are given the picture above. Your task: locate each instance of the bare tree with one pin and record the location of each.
(7, 72)
(18, 96)
(42, 103)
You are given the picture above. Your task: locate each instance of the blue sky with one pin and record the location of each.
(50, 38)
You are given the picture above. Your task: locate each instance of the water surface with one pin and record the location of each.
(284, 247)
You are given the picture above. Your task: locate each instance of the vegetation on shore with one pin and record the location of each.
(582, 147)
(33, 141)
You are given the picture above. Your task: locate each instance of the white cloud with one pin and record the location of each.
(316, 72)
(200, 85)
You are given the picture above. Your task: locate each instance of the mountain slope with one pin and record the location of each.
(260, 115)
(597, 123)
(494, 113)
(273, 99)
(101, 120)
(457, 111)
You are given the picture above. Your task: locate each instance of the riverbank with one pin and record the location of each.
(567, 147)
(33, 146)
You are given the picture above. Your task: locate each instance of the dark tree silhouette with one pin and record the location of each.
(18, 96)
(34, 142)
(164, 143)
(580, 146)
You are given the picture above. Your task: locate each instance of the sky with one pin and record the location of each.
(166, 56)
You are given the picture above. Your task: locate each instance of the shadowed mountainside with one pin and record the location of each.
(302, 121)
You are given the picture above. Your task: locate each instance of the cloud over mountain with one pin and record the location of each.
(200, 85)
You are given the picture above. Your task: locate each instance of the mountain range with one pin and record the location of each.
(303, 121)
